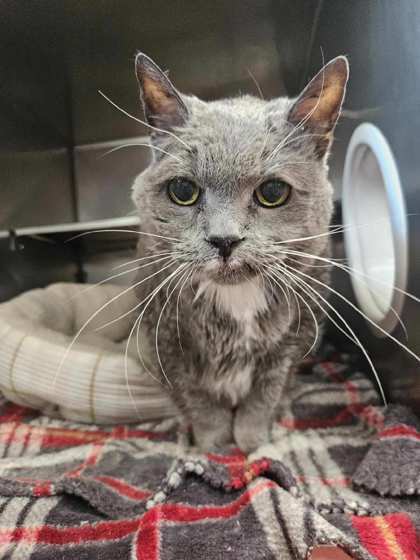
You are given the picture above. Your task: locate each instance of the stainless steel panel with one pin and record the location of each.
(104, 177)
(35, 188)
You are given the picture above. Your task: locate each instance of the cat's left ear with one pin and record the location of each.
(318, 107)
(162, 104)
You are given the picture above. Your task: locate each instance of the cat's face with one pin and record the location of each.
(240, 177)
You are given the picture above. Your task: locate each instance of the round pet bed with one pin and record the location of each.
(86, 383)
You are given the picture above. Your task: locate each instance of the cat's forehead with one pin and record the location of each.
(245, 116)
(233, 133)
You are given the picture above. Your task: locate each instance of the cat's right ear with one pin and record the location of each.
(162, 103)
(319, 105)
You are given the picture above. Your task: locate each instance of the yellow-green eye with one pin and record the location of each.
(272, 193)
(183, 191)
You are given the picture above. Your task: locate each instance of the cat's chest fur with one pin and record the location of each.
(241, 303)
(235, 337)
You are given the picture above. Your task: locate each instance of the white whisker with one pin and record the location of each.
(366, 317)
(178, 270)
(128, 263)
(171, 263)
(302, 121)
(257, 85)
(150, 146)
(113, 276)
(315, 321)
(146, 233)
(353, 336)
(93, 315)
(143, 122)
(189, 274)
(352, 271)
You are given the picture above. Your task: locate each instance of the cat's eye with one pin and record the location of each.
(183, 191)
(272, 193)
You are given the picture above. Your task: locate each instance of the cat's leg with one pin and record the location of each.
(212, 421)
(254, 416)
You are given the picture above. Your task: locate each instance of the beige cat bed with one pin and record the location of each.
(88, 382)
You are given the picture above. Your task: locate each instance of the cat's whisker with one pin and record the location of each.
(284, 293)
(314, 319)
(351, 271)
(291, 259)
(178, 270)
(149, 298)
(339, 229)
(189, 274)
(156, 129)
(301, 284)
(138, 305)
(257, 85)
(118, 275)
(127, 382)
(297, 139)
(366, 317)
(95, 314)
(282, 279)
(146, 233)
(353, 336)
(303, 121)
(128, 263)
(150, 146)
(136, 326)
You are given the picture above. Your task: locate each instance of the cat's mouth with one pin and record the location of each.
(229, 271)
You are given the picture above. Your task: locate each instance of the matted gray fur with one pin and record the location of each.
(233, 317)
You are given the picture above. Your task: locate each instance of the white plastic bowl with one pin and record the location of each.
(375, 226)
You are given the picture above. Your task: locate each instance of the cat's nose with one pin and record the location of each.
(225, 245)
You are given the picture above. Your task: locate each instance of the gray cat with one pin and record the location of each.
(236, 193)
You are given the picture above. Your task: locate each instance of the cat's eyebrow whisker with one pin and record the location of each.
(257, 85)
(137, 232)
(150, 146)
(303, 121)
(156, 129)
(291, 140)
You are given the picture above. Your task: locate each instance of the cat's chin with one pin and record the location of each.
(232, 271)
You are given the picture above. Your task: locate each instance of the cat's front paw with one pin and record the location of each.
(212, 439)
(250, 435)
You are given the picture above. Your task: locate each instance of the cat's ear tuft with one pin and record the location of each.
(319, 105)
(162, 104)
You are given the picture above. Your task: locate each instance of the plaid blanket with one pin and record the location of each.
(340, 470)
